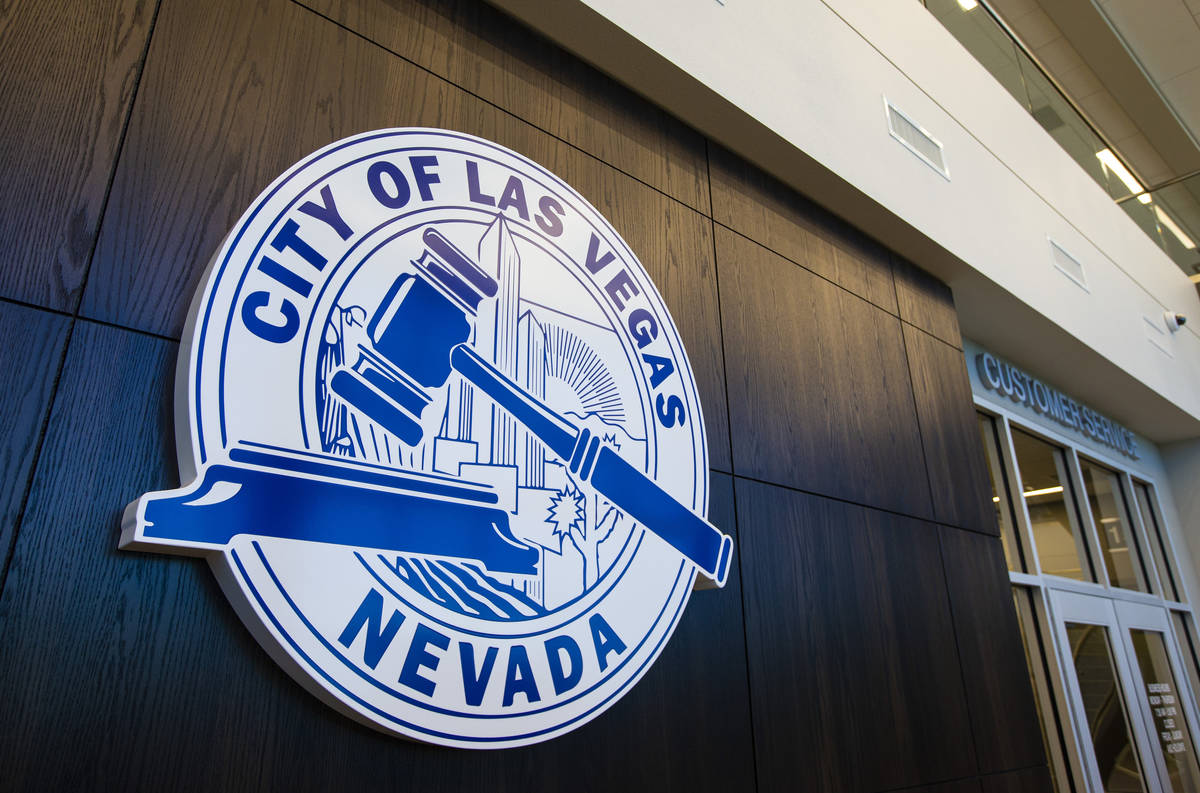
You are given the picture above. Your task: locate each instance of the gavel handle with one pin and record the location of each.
(592, 461)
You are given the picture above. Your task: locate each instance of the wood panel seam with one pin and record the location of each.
(896, 295)
(31, 477)
(732, 473)
(957, 527)
(748, 238)
(116, 161)
(940, 425)
(958, 648)
(74, 314)
(1004, 771)
(502, 109)
(917, 416)
(103, 322)
(852, 502)
(35, 307)
(952, 780)
(930, 335)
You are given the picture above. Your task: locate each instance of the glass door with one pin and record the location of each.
(1105, 705)
(1110, 638)
(1167, 711)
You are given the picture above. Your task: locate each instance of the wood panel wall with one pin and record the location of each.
(866, 641)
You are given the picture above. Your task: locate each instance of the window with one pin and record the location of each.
(1117, 757)
(1114, 529)
(1148, 508)
(1173, 737)
(1000, 492)
(1187, 647)
(1101, 610)
(1050, 504)
(1040, 675)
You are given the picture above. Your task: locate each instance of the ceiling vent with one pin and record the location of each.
(1048, 118)
(916, 139)
(1068, 265)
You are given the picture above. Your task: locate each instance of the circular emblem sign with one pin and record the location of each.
(440, 442)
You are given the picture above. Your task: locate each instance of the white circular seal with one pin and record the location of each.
(440, 442)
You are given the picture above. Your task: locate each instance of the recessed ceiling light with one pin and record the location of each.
(1119, 170)
(1167, 221)
(1144, 198)
(967, 5)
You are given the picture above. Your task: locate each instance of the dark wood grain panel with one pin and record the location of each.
(926, 302)
(233, 94)
(31, 346)
(955, 786)
(1029, 780)
(686, 725)
(487, 53)
(767, 211)
(197, 158)
(205, 161)
(958, 477)
(195, 163)
(855, 682)
(819, 396)
(69, 74)
(129, 671)
(999, 697)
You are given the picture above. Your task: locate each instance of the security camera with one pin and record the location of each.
(1174, 321)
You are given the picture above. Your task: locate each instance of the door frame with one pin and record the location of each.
(1140, 616)
(1079, 608)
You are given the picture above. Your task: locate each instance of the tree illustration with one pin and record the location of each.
(575, 522)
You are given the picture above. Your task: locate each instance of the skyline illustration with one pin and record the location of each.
(552, 356)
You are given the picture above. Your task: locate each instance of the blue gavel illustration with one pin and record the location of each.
(419, 334)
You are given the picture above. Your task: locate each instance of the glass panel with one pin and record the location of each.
(1170, 724)
(1067, 127)
(1000, 495)
(1176, 209)
(1154, 536)
(1169, 215)
(1046, 487)
(1039, 674)
(1191, 660)
(983, 37)
(1108, 724)
(1118, 543)
(1146, 218)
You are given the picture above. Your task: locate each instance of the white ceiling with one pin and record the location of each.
(1164, 37)
(1131, 66)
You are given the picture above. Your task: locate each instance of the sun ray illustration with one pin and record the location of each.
(571, 360)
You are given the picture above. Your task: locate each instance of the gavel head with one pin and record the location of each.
(421, 319)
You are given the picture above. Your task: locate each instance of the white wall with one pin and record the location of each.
(1182, 462)
(797, 86)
